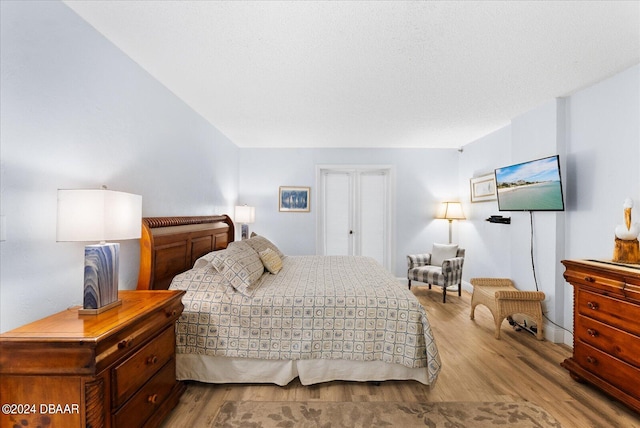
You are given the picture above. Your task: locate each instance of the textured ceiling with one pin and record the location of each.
(369, 74)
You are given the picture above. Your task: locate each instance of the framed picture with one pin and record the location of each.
(483, 188)
(295, 199)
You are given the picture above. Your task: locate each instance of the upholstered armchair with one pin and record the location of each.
(442, 267)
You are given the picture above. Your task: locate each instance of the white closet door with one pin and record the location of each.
(372, 209)
(355, 212)
(337, 209)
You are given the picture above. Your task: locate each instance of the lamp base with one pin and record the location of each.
(100, 277)
(245, 231)
(100, 310)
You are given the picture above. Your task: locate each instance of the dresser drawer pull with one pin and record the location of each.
(592, 305)
(591, 332)
(592, 360)
(153, 399)
(125, 343)
(173, 313)
(589, 279)
(152, 360)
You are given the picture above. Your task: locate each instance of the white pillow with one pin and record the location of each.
(441, 252)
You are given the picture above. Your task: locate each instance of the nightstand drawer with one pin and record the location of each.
(148, 399)
(608, 283)
(614, 312)
(616, 372)
(120, 345)
(613, 341)
(141, 366)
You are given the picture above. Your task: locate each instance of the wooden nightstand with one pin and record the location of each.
(114, 369)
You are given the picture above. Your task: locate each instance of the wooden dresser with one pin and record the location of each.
(115, 369)
(606, 320)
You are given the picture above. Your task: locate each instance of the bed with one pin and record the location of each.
(255, 315)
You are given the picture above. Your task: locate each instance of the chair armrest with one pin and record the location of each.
(491, 282)
(415, 260)
(519, 295)
(453, 264)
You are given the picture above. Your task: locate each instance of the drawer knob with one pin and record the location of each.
(592, 305)
(592, 360)
(589, 279)
(125, 343)
(173, 313)
(153, 399)
(152, 360)
(591, 332)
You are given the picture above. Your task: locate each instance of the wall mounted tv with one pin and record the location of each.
(530, 186)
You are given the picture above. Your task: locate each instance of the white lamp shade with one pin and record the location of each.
(245, 214)
(451, 211)
(98, 215)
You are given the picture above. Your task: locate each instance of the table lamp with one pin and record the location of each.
(245, 215)
(86, 215)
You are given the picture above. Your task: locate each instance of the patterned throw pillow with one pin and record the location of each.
(260, 243)
(240, 265)
(271, 260)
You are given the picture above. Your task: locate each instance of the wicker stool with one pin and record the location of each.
(503, 299)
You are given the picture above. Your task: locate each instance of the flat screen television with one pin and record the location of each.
(530, 186)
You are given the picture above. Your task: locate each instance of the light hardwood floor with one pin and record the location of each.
(476, 367)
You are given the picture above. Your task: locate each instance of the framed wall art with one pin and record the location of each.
(483, 188)
(295, 199)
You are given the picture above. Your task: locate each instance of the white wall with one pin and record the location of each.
(603, 162)
(488, 244)
(536, 134)
(77, 113)
(423, 178)
(597, 134)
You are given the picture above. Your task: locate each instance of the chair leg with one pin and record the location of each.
(409, 284)
(444, 294)
(498, 324)
(459, 289)
(539, 334)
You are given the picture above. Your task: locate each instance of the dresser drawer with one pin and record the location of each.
(616, 372)
(608, 310)
(141, 366)
(121, 345)
(148, 399)
(607, 283)
(613, 341)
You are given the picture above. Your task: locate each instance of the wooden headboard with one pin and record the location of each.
(171, 245)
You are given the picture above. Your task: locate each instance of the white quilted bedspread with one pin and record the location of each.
(316, 307)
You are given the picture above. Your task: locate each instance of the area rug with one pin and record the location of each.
(324, 414)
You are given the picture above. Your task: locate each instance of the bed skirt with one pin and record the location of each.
(209, 369)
